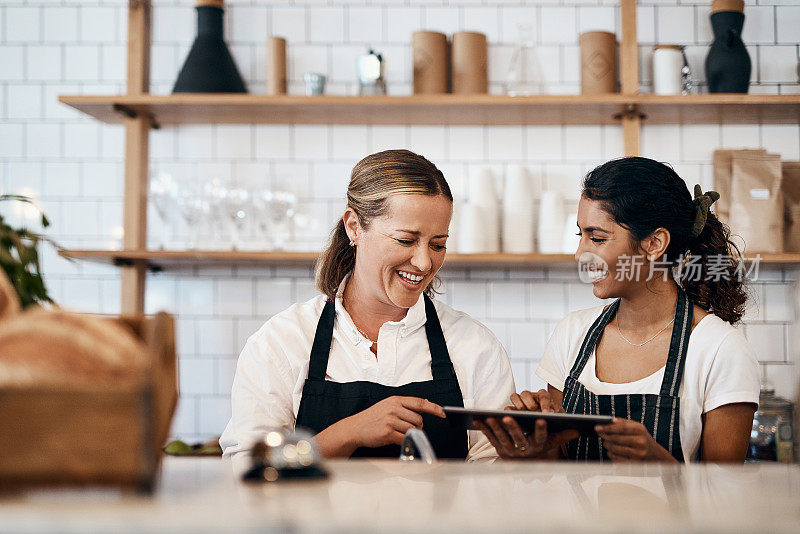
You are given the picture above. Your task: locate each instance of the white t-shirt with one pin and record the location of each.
(720, 369)
(273, 366)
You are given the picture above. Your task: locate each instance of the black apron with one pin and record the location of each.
(658, 413)
(324, 402)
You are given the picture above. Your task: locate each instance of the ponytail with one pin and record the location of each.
(721, 292)
(335, 262)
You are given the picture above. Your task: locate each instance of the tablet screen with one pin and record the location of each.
(556, 422)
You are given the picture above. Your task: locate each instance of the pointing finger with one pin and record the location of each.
(422, 405)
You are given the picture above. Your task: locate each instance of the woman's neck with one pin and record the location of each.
(368, 312)
(649, 306)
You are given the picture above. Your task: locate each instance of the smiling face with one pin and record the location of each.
(602, 237)
(399, 253)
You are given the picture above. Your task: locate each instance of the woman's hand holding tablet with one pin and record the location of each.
(630, 441)
(510, 441)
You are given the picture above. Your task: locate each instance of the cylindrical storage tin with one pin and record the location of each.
(430, 62)
(598, 63)
(470, 74)
(667, 66)
(276, 66)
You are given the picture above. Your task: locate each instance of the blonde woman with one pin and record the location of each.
(374, 355)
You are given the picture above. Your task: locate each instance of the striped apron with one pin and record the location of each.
(658, 413)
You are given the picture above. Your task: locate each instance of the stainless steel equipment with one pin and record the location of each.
(417, 446)
(279, 456)
(772, 437)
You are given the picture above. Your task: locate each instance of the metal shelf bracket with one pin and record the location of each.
(630, 111)
(131, 113)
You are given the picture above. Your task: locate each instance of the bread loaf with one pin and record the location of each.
(39, 347)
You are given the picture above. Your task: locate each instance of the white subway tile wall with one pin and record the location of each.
(74, 165)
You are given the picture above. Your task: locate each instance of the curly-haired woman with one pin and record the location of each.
(663, 359)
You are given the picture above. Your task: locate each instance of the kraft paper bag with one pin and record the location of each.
(757, 210)
(791, 199)
(723, 171)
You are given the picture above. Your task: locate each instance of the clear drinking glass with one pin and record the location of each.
(275, 210)
(525, 72)
(239, 211)
(283, 210)
(218, 225)
(191, 206)
(164, 197)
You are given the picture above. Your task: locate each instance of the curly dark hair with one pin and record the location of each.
(643, 195)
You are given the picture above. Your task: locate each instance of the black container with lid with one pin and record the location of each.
(209, 67)
(728, 63)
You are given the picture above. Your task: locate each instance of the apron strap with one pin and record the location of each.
(591, 338)
(441, 365)
(321, 349)
(678, 346)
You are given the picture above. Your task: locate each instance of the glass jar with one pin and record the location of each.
(772, 437)
(524, 75)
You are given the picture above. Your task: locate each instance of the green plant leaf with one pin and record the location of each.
(19, 258)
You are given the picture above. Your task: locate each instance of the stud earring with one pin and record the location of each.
(352, 244)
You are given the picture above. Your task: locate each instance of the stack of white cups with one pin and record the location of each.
(455, 224)
(552, 218)
(571, 239)
(518, 212)
(479, 225)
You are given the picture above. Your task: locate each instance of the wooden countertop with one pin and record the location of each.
(199, 495)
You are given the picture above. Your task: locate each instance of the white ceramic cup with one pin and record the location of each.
(551, 223)
(667, 65)
(482, 190)
(519, 221)
(478, 230)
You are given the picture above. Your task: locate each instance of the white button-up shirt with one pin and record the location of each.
(273, 367)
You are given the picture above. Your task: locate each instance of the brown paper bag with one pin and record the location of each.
(756, 212)
(791, 199)
(723, 169)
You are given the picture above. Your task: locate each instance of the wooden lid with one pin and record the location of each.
(667, 47)
(428, 33)
(597, 33)
(211, 3)
(727, 5)
(471, 35)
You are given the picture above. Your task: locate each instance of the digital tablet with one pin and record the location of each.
(556, 422)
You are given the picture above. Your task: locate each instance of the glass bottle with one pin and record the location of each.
(525, 72)
(772, 436)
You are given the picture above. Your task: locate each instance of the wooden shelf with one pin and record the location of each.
(158, 260)
(440, 109)
(164, 259)
(718, 109)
